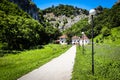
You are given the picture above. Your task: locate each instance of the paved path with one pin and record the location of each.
(59, 68)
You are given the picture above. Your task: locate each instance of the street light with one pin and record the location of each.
(83, 41)
(92, 12)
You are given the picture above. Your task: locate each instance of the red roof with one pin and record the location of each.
(63, 36)
(84, 37)
(75, 37)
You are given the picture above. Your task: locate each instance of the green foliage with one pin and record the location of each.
(12, 9)
(114, 15)
(64, 10)
(13, 66)
(106, 37)
(78, 28)
(104, 22)
(20, 31)
(105, 31)
(107, 20)
(106, 59)
(52, 32)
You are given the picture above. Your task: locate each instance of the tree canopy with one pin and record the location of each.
(19, 31)
(104, 22)
(67, 10)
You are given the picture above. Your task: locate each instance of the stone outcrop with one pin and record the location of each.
(63, 22)
(29, 7)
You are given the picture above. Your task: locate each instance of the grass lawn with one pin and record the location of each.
(13, 66)
(107, 63)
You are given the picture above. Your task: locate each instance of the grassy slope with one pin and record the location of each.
(13, 66)
(113, 38)
(107, 63)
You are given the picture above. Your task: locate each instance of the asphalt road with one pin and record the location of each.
(59, 68)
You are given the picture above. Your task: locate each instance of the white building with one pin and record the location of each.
(84, 40)
(63, 39)
(75, 40)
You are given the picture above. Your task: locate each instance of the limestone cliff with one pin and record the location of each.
(29, 7)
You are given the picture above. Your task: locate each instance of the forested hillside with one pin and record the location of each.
(18, 30)
(31, 8)
(107, 25)
(77, 28)
(66, 10)
(64, 16)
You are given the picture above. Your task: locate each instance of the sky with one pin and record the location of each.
(85, 4)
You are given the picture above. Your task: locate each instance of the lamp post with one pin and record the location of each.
(92, 12)
(83, 41)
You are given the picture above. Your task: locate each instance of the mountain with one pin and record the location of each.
(61, 16)
(23, 25)
(106, 26)
(66, 10)
(64, 16)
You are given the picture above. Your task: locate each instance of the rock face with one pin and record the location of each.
(118, 1)
(64, 16)
(63, 22)
(29, 7)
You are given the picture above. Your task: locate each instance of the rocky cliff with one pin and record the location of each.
(61, 16)
(63, 22)
(29, 7)
(64, 16)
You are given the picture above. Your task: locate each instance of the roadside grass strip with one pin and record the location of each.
(106, 62)
(13, 66)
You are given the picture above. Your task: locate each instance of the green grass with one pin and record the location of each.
(114, 37)
(13, 66)
(107, 63)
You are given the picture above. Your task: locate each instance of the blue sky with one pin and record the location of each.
(86, 4)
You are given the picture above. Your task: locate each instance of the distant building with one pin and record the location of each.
(75, 40)
(63, 39)
(84, 40)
